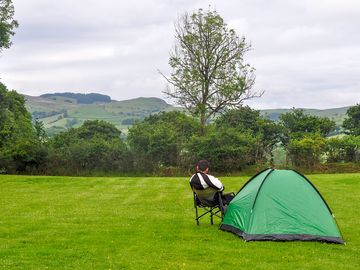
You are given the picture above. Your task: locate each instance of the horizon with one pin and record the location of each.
(306, 54)
(175, 105)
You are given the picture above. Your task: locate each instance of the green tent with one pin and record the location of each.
(281, 205)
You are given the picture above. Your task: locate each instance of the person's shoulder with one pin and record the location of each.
(211, 176)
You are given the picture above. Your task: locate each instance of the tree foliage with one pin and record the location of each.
(345, 149)
(226, 149)
(7, 23)
(159, 139)
(20, 147)
(96, 146)
(265, 133)
(298, 124)
(209, 71)
(352, 122)
(306, 152)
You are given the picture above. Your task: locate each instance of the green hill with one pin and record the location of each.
(335, 114)
(61, 111)
(79, 98)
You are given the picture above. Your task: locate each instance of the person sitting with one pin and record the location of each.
(201, 180)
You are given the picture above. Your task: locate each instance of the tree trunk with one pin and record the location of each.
(202, 123)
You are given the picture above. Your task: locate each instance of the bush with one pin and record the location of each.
(158, 141)
(306, 152)
(96, 146)
(227, 150)
(20, 147)
(345, 149)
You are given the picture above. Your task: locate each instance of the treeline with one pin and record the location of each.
(81, 98)
(171, 143)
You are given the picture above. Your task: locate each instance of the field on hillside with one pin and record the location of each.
(59, 113)
(336, 114)
(148, 223)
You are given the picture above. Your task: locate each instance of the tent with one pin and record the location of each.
(281, 205)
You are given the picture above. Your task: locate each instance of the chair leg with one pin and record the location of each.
(211, 217)
(197, 216)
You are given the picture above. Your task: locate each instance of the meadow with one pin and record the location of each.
(148, 223)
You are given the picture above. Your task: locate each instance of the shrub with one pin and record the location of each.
(306, 152)
(227, 150)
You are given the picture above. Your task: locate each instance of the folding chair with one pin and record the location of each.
(210, 201)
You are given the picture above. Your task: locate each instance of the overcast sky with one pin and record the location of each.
(306, 53)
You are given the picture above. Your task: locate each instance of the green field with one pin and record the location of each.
(147, 223)
(336, 114)
(120, 113)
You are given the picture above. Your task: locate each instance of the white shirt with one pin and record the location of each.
(200, 177)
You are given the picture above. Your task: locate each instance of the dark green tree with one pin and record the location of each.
(298, 124)
(352, 122)
(226, 149)
(7, 23)
(265, 133)
(209, 71)
(306, 152)
(159, 139)
(95, 147)
(20, 147)
(343, 149)
(243, 119)
(40, 131)
(303, 137)
(98, 128)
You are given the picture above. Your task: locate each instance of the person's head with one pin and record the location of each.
(203, 166)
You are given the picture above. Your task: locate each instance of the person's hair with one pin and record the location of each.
(203, 165)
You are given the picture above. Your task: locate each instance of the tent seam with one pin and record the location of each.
(257, 193)
(252, 179)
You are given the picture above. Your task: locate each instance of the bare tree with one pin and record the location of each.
(209, 72)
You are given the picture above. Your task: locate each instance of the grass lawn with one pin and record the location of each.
(147, 223)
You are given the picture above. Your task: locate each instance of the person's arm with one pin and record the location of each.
(216, 182)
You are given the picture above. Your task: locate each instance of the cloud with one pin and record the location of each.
(306, 53)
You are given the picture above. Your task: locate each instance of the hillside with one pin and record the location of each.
(58, 113)
(78, 97)
(61, 111)
(335, 114)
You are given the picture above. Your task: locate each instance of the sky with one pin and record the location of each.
(306, 53)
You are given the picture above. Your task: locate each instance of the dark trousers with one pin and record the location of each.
(227, 197)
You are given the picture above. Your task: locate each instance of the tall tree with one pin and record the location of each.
(20, 148)
(159, 140)
(7, 23)
(209, 72)
(96, 146)
(298, 124)
(303, 134)
(264, 132)
(352, 122)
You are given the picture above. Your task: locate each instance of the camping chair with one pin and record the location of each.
(210, 201)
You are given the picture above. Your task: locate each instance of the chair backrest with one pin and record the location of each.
(207, 197)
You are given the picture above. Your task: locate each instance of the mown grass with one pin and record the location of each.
(147, 223)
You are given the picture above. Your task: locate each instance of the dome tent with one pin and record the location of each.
(281, 205)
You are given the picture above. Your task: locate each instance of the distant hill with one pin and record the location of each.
(335, 114)
(79, 98)
(60, 111)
